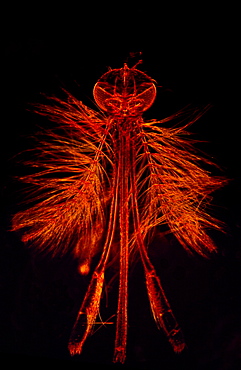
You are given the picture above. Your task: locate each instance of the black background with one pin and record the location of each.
(192, 52)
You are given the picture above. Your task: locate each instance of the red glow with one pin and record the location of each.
(112, 176)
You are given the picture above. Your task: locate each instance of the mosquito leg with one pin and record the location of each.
(160, 306)
(162, 311)
(87, 314)
(91, 303)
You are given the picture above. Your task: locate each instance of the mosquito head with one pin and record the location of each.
(125, 91)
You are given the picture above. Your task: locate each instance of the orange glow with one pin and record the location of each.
(109, 178)
(84, 269)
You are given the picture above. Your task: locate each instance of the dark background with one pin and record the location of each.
(192, 52)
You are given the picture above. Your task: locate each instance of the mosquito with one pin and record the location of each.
(105, 181)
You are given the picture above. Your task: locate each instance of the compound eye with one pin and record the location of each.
(147, 97)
